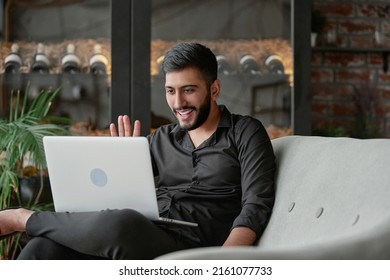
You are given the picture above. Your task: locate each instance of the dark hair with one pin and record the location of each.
(185, 55)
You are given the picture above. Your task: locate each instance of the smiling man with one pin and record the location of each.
(184, 92)
(214, 168)
(192, 100)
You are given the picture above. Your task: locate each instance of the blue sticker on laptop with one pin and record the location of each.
(98, 177)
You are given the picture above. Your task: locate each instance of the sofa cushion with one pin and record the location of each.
(327, 189)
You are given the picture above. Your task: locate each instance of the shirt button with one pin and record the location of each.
(195, 161)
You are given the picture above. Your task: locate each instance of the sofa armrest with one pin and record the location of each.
(217, 253)
(373, 244)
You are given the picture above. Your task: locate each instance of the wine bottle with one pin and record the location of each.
(40, 62)
(224, 66)
(249, 65)
(13, 61)
(98, 62)
(159, 61)
(70, 62)
(274, 64)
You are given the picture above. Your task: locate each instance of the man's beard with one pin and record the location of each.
(203, 114)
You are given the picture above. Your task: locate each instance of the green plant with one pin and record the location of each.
(330, 130)
(21, 137)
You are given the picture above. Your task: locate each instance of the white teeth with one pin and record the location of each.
(185, 112)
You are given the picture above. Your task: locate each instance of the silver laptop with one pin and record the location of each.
(92, 173)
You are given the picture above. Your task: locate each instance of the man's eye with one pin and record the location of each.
(188, 90)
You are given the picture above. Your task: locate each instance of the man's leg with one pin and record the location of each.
(112, 234)
(41, 248)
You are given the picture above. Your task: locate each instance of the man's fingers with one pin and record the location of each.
(128, 130)
(120, 126)
(125, 128)
(137, 128)
(113, 130)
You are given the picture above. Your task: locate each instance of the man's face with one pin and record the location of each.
(188, 97)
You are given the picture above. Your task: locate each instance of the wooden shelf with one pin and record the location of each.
(385, 52)
(349, 49)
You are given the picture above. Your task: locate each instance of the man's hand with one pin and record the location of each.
(240, 236)
(125, 128)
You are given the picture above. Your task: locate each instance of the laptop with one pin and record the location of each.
(93, 173)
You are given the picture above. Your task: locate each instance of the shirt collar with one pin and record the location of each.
(226, 116)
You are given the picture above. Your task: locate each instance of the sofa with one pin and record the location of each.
(332, 202)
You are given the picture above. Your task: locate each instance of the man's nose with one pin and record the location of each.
(179, 100)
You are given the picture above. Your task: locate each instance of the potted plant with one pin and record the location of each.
(21, 149)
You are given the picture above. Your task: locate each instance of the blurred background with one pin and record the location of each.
(301, 67)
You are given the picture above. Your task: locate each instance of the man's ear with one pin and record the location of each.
(215, 89)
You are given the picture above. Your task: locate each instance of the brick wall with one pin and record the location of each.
(351, 90)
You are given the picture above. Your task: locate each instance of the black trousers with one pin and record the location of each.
(109, 234)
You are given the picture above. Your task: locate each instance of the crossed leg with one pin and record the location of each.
(109, 234)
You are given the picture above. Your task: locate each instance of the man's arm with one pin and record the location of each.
(240, 236)
(257, 160)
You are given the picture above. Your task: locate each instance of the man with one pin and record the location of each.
(214, 168)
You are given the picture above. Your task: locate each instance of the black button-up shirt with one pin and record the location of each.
(226, 182)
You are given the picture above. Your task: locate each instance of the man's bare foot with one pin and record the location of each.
(13, 220)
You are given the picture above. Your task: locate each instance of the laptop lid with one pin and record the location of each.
(89, 173)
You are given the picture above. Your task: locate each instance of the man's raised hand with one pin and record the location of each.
(125, 128)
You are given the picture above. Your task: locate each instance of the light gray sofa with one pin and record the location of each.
(332, 202)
